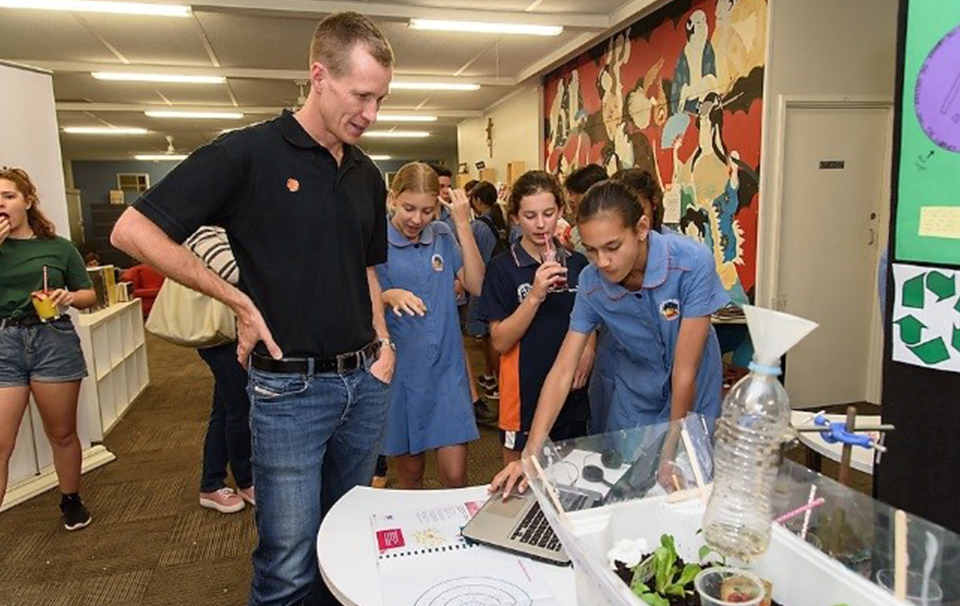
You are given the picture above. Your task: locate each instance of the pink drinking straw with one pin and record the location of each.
(45, 283)
(799, 510)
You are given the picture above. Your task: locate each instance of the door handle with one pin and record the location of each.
(873, 237)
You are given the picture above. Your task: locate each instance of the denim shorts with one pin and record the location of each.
(48, 353)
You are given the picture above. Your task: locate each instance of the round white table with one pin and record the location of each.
(347, 551)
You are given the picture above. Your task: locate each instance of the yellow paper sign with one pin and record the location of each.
(940, 222)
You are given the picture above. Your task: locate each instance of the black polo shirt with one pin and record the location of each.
(523, 369)
(303, 229)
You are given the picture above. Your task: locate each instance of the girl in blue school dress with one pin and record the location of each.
(654, 293)
(430, 404)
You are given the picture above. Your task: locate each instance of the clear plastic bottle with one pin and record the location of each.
(749, 433)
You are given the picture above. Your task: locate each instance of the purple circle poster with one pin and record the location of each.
(937, 98)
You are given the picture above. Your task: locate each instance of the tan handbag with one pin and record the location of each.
(186, 317)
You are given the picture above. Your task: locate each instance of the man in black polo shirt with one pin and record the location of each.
(305, 214)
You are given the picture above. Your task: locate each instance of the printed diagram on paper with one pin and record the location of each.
(926, 317)
(475, 591)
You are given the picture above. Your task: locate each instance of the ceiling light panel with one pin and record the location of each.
(90, 6)
(186, 115)
(397, 134)
(436, 86)
(104, 130)
(388, 117)
(167, 78)
(481, 27)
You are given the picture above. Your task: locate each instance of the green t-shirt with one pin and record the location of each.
(21, 271)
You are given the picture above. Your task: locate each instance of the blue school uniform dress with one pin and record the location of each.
(486, 242)
(680, 281)
(430, 394)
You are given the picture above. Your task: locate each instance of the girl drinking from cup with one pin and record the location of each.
(430, 404)
(528, 294)
(654, 293)
(40, 354)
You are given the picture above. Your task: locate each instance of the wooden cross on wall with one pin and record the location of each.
(490, 136)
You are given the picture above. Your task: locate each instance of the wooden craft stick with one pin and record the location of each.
(694, 463)
(551, 493)
(900, 554)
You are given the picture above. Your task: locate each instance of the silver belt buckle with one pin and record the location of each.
(342, 360)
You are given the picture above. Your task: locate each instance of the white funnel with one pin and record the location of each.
(773, 333)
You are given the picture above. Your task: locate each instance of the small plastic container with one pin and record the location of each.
(914, 587)
(724, 586)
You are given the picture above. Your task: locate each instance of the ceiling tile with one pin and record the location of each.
(259, 42)
(48, 35)
(153, 41)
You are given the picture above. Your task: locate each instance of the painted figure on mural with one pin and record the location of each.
(678, 94)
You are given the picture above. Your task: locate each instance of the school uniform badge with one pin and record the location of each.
(670, 309)
(523, 290)
(437, 262)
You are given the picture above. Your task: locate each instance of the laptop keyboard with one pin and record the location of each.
(536, 531)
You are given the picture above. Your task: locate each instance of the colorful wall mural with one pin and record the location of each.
(680, 94)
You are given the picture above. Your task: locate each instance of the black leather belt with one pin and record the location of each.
(25, 321)
(338, 364)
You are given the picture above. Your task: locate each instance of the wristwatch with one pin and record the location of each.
(387, 343)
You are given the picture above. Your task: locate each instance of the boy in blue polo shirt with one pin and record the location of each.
(655, 294)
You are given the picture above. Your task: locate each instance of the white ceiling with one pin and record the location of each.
(261, 47)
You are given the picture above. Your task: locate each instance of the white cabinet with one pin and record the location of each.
(113, 343)
(116, 354)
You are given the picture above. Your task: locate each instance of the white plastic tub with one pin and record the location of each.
(801, 575)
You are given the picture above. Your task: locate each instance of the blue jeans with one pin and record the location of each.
(228, 433)
(315, 436)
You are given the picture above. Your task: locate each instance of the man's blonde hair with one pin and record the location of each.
(336, 36)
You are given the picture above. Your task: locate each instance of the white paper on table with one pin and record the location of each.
(481, 575)
(926, 327)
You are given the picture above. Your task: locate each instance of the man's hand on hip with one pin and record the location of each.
(251, 328)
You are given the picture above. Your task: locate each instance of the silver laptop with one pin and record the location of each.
(519, 526)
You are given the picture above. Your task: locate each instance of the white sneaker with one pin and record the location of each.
(224, 500)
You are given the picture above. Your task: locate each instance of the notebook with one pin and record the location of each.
(424, 560)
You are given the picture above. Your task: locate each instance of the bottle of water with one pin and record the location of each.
(747, 440)
(756, 414)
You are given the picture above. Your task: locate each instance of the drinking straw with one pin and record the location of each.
(900, 554)
(802, 509)
(45, 281)
(806, 515)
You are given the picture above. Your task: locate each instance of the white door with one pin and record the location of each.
(835, 191)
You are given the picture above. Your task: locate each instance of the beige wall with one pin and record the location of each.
(516, 134)
(819, 48)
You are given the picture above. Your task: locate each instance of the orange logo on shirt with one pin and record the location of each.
(293, 185)
(670, 309)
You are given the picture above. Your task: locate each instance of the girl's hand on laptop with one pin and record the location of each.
(510, 477)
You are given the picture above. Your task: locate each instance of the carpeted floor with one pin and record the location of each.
(150, 543)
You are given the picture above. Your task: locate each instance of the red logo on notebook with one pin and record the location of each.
(389, 539)
(293, 185)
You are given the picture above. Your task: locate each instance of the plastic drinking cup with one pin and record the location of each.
(914, 587)
(44, 305)
(724, 586)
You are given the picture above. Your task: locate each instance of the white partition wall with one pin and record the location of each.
(29, 139)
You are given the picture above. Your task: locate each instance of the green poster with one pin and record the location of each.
(928, 196)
